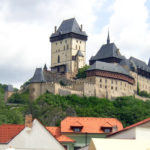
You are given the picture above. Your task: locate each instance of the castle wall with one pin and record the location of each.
(144, 83)
(109, 88)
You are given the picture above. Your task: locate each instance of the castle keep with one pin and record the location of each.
(110, 74)
(68, 47)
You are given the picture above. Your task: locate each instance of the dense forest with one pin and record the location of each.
(50, 109)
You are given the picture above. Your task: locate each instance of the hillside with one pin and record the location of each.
(2, 91)
(51, 109)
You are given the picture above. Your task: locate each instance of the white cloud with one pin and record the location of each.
(129, 28)
(25, 27)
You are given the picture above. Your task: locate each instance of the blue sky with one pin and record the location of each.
(25, 27)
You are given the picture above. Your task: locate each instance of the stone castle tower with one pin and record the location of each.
(68, 47)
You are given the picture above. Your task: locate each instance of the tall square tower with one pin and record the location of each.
(68, 47)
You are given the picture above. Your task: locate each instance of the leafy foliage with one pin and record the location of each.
(50, 109)
(81, 72)
(144, 94)
(19, 98)
(2, 91)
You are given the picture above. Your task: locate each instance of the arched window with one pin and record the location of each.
(58, 59)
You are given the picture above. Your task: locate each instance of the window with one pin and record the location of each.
(56, 43)
(105, 86)
(100, 86)
(80, 41)
(116, 82)
(111, 81)
(105, 81)
(65, 41)
(100, 80)
(67, 46)
(112, 87)
(64, 47)
(58, 60)
(76, 129)
(107, 129)
(60, 42)
(116, 88)
(77, 41)
(79, 47)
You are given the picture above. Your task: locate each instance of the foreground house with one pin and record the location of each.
(32, 135)
(118, 144)
(139, 131)
(76, 132)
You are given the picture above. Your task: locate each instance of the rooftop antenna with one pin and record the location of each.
(108, 39)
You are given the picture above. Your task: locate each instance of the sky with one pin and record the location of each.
(26, 25)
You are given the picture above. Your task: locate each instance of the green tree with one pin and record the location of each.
(82, 72)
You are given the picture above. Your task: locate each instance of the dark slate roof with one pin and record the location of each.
(106, 51)
(9, 88)
(125, 62)
(79, 53)
(149, 63)
(139, 64)
(110, 67)
(38, 76)
(69, 26)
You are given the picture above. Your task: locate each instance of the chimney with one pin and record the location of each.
(55, 29)
(81, 28)
(28, 121)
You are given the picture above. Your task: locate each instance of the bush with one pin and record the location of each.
(82, 72)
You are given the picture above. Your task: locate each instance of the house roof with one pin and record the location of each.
(38, 76)
(9, 131)
(54, 130)
(56, 133)
(116, 68)
(106, 51)
(64, 138)
(90, 124)
(131, 126)
(69, 26)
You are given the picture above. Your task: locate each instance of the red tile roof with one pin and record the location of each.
(64, 138)
(131, 126)
(54, 130)
(56, 133)
(90, 124)
(9, 131)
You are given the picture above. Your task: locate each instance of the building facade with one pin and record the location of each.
(31, 136)
(68, 47)
(110, 73)
(76, 132)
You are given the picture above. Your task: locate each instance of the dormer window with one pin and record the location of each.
(107, 129)
(76, 129)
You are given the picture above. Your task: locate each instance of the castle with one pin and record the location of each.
(110, 74)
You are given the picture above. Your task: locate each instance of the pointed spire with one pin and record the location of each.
(149, 62)
(108, 39)
(45, 67)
